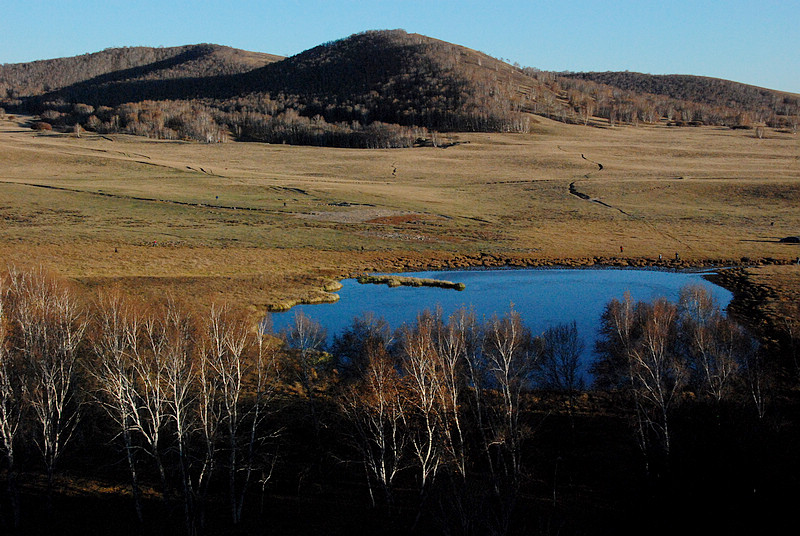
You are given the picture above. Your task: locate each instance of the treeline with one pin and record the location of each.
(195, 120)
(438, 420)
(753, 104)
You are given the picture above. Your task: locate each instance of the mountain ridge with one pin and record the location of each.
(204, 59)
(346, 92)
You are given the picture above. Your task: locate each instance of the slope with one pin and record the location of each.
(700, 89)
(408, 79)
(47, 77)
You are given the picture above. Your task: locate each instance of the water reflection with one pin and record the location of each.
(543, 297)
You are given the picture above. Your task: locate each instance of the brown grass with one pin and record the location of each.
(264, 224)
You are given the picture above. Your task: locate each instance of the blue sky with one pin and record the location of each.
(755, 42)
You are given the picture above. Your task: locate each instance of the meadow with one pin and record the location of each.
(263, 224)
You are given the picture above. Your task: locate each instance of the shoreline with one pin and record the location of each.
(403, 264)
(747, 303)
(395, 278)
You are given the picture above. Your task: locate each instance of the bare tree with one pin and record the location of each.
(180, 372)
(619, 327)
(452, 340)
(147, 338)
(375, 405)
(51, 325)
(207, 411)
(509, 362)
(420, 364)
(263, 381)
(479, 384)
(622, 325)
(757, 378)
(587, 106)
(639, 355)
(558, 368)
(790, 313)
(115, 374)
(657, 372)
(11, 400)
(306, 339)
(713, 342)
(233, 355)
(351, 348)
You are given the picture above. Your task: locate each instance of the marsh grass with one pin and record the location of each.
(394, 281)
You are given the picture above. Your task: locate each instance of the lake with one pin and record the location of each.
(543, 297)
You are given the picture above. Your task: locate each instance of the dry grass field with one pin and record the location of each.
(263, 224)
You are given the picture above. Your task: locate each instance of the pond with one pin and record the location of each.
(543, 297)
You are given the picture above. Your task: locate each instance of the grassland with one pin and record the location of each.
(264, 224)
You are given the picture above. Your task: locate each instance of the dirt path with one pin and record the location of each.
(573, 190)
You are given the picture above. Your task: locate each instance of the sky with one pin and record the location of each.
(754, 42)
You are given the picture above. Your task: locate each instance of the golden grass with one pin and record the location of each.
(396, 281)
(264, 224)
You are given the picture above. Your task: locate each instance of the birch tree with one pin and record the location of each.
(375, 406)
(242, 365)
(180, 373)
(713, 342)
(509, 364)
(115, 374)
(306, 340)
(453, 342)
(657, 372)
(420, 364)
(11, 399)
(51, 324)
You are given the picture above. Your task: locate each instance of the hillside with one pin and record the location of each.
(386, 76)
(128, 63)
(402, 78)
(374, 89)
(763, 104)
(383, 88)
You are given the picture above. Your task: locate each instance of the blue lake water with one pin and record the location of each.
(543, 297)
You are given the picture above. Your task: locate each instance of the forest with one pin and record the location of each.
(376, 89)
(206, 422)
(764, 105)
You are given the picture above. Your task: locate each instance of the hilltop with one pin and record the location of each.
(408, 79)
(383, 88)
(126, 64)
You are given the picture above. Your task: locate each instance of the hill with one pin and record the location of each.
(761, 104)
(128, 63)
(407, 79)
(374, 89)
(387, 76)
(383, 88)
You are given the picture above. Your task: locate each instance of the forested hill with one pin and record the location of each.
(407, 79)
(383, 88)
(127, 63)
(699, 89)
(384, 76)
